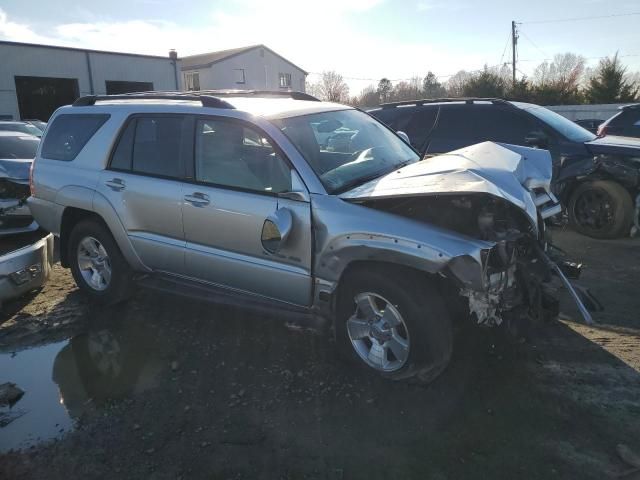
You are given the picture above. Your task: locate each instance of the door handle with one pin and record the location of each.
(197, 199)
(115, 184)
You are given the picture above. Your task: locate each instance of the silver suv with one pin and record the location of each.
(317, 210)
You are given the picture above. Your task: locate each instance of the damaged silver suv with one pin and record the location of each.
(278, 201)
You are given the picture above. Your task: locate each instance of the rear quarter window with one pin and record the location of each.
(68, 134)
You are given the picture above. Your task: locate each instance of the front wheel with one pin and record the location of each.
(97, 265)
(394, 323)
(601, 209)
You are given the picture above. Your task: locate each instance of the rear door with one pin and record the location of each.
(144, 185)
(238, 176)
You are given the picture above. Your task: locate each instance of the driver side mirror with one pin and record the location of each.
(537, 139)
(276, 230)
(403, 136)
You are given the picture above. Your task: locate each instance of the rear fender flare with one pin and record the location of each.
(105, 210)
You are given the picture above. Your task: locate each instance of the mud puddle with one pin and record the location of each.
(64, 380)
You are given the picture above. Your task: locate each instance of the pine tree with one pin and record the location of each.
(609, 85)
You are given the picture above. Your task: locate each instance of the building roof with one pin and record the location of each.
(73, 49)
(205, 60)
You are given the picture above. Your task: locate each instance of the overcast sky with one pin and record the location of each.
(363, 40)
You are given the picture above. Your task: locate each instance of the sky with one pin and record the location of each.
(364, 40)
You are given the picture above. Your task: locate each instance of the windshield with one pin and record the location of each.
(564, 126)
(18, 147)
(21, 127)
(347, 147)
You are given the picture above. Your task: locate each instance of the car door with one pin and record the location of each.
(143, 183)
(239, 177)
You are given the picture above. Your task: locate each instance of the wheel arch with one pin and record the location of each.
(445, 285)
(71, 216)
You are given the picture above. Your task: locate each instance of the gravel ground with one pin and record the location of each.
(165, 388)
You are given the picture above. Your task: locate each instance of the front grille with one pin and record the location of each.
(11, 190)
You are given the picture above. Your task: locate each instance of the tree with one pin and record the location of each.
(330, 88)
(368, 97)
(431, 87)
(520, 91)
(487, 83)
(456, 83)
(558, 81)
(609, 85)
(384, 89)
(411, 90)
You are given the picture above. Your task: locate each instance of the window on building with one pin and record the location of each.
(285, 80)
(238, 75)
(192, 81)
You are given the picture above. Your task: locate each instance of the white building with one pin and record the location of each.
(249, 68)
(37, 79)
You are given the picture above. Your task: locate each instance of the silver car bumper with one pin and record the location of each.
(25, 268)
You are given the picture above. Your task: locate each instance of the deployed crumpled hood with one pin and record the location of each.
(17, 170)
(614, 145)
(502, 170)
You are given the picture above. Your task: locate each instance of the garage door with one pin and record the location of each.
(39, 97)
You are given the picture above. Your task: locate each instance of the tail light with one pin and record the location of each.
(31, 183)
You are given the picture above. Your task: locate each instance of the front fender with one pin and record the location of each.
(347, 233)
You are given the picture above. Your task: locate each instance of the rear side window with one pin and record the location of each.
(68, 134)
(627, 123)
(463, 125)
(152, 146)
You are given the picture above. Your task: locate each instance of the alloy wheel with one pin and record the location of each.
(94, 263)
(378, 333)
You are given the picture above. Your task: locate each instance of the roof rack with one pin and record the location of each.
(206, 100)
(294, 95)
(468, 100)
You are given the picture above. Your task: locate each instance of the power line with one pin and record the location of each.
(576, 19)
(505, 47)
(533, 43)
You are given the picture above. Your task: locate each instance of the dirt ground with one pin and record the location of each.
(165, 388)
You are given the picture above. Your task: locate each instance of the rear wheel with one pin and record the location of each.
(601, 209)
(394, 324)
(97, 264)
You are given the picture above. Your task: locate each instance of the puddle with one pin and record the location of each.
(39, 414)
(63, 380)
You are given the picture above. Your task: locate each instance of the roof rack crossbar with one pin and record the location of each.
(206, 100)
(293, 94)
(424, 101)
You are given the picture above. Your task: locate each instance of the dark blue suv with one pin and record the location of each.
(597, 179)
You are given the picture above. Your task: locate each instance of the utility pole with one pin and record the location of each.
(514, 43)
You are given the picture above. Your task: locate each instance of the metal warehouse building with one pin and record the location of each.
(37, 79)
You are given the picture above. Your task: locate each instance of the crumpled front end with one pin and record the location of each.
(499, 195)
(15, 216)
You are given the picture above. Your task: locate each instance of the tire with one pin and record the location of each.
(119, 286)
(425, 323)
(611, 208)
